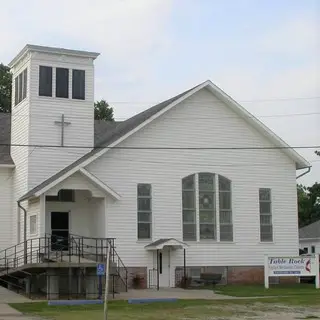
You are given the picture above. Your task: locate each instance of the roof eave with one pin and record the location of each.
(300, 162)
(7, 165)
(29, 48)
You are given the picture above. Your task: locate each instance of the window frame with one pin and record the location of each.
(185, 209)
(216, 224)
(230, 209)
(34, 224)
(81, 87)
(20, 86)
(58, 83)
(149, 197)
(48, 85)
(266, 214)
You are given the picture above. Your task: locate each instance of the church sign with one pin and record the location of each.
(303, 266)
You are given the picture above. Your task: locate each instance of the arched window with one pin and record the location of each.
(200, 195)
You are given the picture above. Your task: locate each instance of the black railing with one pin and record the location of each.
(73, 249)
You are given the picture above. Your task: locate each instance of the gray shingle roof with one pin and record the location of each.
(311, 231)
(105, 137)
(157, 242)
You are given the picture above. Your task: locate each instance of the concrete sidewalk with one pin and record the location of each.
(7, 312)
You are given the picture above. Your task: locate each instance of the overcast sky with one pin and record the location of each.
(255, 50)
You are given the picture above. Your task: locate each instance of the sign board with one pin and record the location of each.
(101, 269)
(301, 266)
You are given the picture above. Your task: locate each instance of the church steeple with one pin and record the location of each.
(54, 90)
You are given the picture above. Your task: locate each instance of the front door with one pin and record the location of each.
(59, 231)
(164, 268)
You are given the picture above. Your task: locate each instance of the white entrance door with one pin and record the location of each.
(164, 268)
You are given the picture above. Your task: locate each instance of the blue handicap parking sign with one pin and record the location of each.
(100, 269)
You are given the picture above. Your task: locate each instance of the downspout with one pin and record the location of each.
(302, 174)
(24, 230)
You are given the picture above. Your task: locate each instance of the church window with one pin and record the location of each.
(266, 230)
(45, 81)
(20, 86)
(62, 83)
(205, 197)
(225, 209)
(144, 208)
(189, 208)
(33, 224)
(78, 84)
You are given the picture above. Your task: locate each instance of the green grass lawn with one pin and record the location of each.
(275, 290)
(182, 309)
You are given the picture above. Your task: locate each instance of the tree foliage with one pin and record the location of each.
(102, 111)
(308, 204)
(5, 88)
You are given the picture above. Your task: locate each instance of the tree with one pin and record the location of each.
(5, 88)
(308, 204)
(102, 111)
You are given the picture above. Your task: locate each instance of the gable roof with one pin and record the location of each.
(126, 128)
(311, 231)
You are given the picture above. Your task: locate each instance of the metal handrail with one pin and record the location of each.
(40, 248)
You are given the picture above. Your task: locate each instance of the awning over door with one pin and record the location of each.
(169, 242)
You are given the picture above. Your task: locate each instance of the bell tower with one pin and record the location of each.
(52, 108)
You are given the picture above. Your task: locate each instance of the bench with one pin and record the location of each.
(208, 279)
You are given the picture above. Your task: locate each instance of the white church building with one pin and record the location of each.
(196, 174)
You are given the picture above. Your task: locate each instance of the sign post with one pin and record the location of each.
(301, 266)
(105, 309)
(100, 274)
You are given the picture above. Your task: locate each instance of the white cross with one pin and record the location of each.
(63, 124)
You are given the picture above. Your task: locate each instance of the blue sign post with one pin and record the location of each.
(101, 270)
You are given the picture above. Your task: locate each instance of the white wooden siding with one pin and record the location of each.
(308, 244)
(20, 154)
(77, 182)
(6, 217)
(200, 121)
(45, 111)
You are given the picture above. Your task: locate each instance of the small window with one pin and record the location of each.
(62, 83)
(20, 84)
(25, 80)
(16, 91)
(144, 209)
(45, 81)
(64, 195)
(78, 84)
(313, 249)
(305, 250)
(266, 228)
(33, 224)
